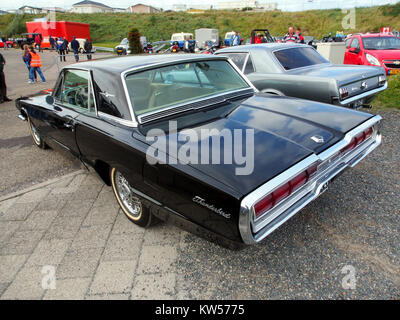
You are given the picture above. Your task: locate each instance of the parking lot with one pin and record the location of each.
(54, 215)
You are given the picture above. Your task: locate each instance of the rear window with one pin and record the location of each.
(294, 58)
(162, 87)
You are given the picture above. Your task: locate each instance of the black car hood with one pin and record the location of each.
(342, 73)
(283, 128)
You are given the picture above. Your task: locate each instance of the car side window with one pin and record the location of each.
(238, 59)
(249, 66)
(75, 91)
(355, 43)
(347, 43)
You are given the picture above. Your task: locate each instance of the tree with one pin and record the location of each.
(134, 41)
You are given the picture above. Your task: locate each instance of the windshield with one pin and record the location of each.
(162, 87)
(381, 43)
(299, 57)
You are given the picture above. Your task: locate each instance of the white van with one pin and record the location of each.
(180, 37)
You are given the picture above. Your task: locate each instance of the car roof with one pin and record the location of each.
(121, 64)
(262, 46)
(368, 35)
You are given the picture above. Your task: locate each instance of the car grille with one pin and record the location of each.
(392, 64)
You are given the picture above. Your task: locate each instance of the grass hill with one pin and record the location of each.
(112, 27)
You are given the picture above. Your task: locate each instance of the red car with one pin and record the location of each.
(374, 49)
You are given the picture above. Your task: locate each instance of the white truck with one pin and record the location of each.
(204, 35)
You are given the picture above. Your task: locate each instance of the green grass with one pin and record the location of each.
(390, 98)
(112, 27)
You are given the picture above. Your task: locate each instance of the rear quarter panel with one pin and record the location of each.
(309, 88)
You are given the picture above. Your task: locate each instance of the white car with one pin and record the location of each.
(81, 45)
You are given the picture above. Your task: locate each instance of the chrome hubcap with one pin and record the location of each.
(36, 135)
(125, 193)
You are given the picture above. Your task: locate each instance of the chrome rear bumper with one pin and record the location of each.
(331, 164)
(364, 95)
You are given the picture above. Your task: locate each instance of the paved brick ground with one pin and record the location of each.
(76, 226)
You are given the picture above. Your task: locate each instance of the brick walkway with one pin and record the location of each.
(76, 226)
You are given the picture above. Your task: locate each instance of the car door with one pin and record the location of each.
(354, 52)
(71, 98)
(347, 57)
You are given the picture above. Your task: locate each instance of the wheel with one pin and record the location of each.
(36, 136)
(128, 201)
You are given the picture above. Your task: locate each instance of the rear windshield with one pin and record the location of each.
(162, 87)
(299, 57)
(381, 43)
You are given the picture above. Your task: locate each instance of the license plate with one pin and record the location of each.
(119, 50)
(394, 71)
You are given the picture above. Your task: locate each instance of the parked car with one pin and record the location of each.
(107, 113)
(123, 47)
(374, 49)
(81, 45)
(298, 70)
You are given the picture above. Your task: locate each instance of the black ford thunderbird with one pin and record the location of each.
(112, 115)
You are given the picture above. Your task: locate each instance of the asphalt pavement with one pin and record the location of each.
(344, 245)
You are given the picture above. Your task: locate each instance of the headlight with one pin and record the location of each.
(372, 60)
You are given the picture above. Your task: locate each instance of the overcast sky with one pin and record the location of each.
(292, 5)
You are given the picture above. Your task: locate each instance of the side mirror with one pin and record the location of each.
(354, 50)
(50, 99)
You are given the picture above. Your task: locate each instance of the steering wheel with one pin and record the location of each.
(81, 97)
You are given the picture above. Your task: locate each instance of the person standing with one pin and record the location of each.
(87, 46)
(291, 37)
(38, 42)
(75, 47)
(61, 49)
(3, 87)
(51, 40)
(26, 57)
(36, 63)
(189, 45)
(66, 45)
(235, 39)
(258, 38)
(299, 35)
(5, 42)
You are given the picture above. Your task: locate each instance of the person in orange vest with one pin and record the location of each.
(36, 63)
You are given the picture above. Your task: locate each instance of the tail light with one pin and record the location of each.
(285, 190)
(361, 137)
(343, 92)
(382, 80)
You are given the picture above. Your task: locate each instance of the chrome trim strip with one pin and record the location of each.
(363, 95)
(253, 231)
(124, 122)
(176, 106)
